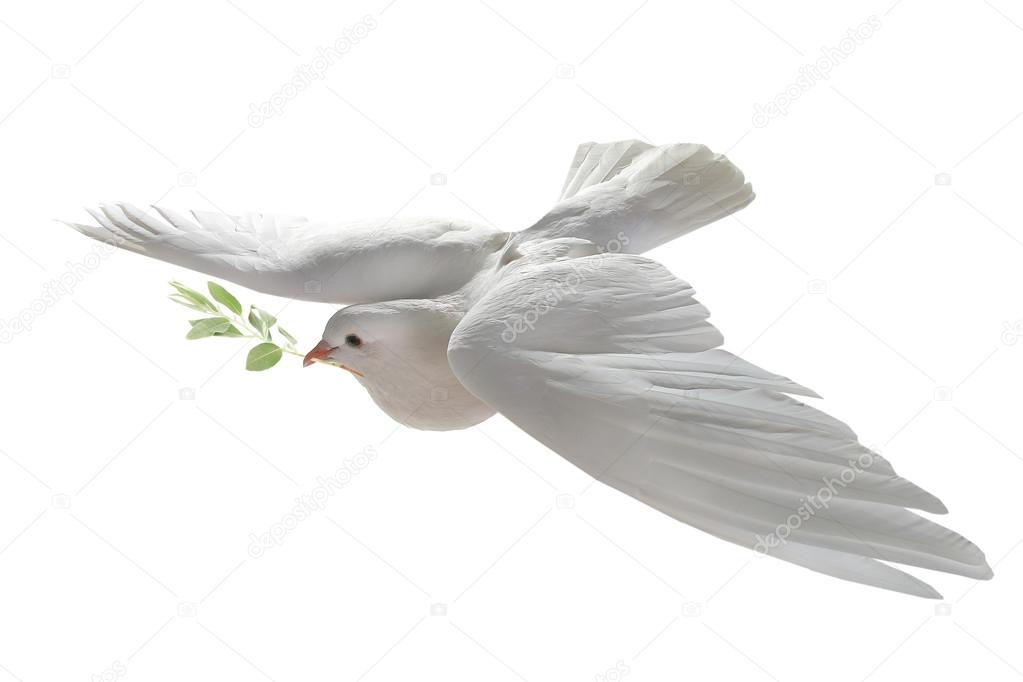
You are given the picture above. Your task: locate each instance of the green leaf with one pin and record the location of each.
(264, 356)
(291, 339)
(258, 322)
(270, 319)
(195, 297)
(207, 327)
(224, 297)
(230, 331)
(261, 320)
(181, 300)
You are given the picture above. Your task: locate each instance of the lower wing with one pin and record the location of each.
(611, 362)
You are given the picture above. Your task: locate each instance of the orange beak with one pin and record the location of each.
(320, 352)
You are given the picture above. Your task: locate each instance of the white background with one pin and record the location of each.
(125, 511)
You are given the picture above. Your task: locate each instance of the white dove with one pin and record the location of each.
(600, 354)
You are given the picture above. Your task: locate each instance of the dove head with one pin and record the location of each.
(398, 352)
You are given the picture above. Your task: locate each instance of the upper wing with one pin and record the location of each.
(611, 362)
(630, 196)
(298, 258)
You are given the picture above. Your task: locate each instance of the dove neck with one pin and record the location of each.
(408, 374)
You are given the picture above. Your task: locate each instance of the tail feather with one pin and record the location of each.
(630, 196)
(596, 163)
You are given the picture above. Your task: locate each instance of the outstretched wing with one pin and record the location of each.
(610, 361)
(298, 258)
(630, 196)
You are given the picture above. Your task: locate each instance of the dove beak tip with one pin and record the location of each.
(320, 352)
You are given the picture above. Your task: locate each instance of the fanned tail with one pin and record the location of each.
(630, 196)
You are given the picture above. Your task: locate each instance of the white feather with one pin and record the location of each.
(637, 395)
(290, 256)
(607, 359)
(630, 196)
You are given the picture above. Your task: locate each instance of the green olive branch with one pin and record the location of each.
(224, 316)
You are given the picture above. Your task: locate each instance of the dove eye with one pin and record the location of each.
(353, 340)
